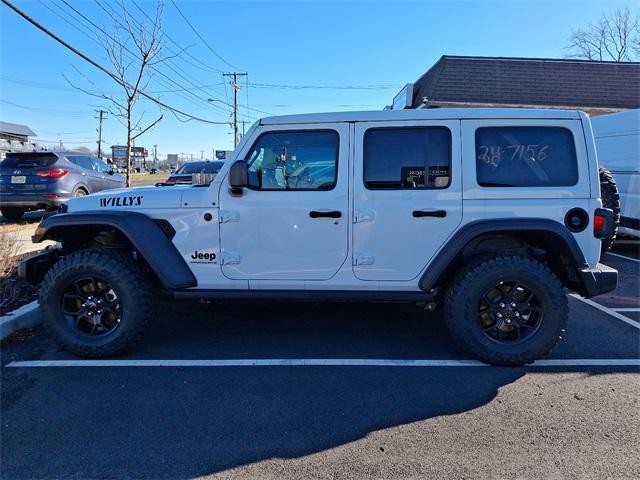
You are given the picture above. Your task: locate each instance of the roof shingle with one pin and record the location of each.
(531, 81)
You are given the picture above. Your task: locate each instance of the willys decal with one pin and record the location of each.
(126, 201)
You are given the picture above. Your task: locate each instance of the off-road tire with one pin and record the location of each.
(610, 199)
(13, 214)
(127, 279)
(466, 290)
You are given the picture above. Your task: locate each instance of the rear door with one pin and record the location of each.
(407, 196)
(87, 171)
(107, 180)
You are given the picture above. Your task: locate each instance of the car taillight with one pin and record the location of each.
(598, 223)
(170, 180)
(55, 173)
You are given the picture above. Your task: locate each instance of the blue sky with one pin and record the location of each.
(335, 45)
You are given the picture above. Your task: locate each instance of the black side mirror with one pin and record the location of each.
(238, 175)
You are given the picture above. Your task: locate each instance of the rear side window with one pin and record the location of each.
(82, 161)
(407, 158)
(26, 160)
(525, 157)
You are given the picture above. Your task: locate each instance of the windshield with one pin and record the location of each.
(25, 160)
(200, 167)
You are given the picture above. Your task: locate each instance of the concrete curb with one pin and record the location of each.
(26, 316)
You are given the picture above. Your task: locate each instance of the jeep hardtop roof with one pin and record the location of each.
(423, 114)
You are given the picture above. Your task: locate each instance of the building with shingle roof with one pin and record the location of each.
(14, 137)
(592, 86)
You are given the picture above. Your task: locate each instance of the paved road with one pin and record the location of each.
(328, 421)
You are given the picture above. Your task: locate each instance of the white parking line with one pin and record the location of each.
(604, 309)
(318, 362)
(624, 256)
(626, 309)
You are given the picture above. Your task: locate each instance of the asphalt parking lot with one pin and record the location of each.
(275, 390)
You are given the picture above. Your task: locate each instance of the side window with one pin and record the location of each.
(302, 160)
(82, 161)
(407, 158)
(525, 157)
(98, 165)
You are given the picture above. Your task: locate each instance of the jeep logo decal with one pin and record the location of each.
(202, 257)
(134, 201)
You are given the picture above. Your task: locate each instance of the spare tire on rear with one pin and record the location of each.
(610, 199)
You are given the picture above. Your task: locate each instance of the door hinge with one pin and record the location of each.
(229, 258)
(359, 217)
(229, 216)
(360, 258)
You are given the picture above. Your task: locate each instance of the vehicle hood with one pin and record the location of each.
(129, 199)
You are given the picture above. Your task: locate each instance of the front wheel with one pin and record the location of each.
(506, 310)
(96, 303)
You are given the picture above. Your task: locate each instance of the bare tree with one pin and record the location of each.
(614, 37)
(134, 48)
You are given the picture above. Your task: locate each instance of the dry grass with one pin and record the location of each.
(7, 228)
(9, 249)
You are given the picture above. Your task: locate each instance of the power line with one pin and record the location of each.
(324, 87)
(133, 55)
(200, 36)
(180, 74)
(204, 67)
(100, 67)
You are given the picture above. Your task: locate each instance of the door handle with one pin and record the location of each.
(429, 213)
(332, 214)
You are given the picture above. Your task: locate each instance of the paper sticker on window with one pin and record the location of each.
(412, 176)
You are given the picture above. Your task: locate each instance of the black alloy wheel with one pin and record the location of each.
(510, 312)
(91, 307)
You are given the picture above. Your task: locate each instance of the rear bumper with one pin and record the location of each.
(598, 280)
(31, 200)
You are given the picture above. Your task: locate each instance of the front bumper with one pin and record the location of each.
(31, 200)
(33, 269)
(598, 280)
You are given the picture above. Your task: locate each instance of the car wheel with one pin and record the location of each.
(610, 199)
(506, 310)
(79, 192)
(13, 214)
(96, 303)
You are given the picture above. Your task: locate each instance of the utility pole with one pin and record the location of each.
(201, 154)
(236, 87)
(101, 117)
(243, 122)
(155, 156)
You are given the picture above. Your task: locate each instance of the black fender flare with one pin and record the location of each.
(468, 232)
(143, 232)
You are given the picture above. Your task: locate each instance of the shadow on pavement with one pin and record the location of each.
(150, 423)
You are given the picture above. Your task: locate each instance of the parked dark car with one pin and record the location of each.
(182, 176)
(43, 179)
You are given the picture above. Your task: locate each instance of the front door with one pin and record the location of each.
(407, 196)
(291, 223)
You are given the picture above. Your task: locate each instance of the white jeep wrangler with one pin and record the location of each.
(489, 213)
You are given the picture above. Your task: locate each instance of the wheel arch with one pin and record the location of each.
(151, 240)
(83, 186)
(546, 240)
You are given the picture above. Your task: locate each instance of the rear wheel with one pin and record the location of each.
(79, 192)
(507, 310)
(610, 199)
(13, 214)
(96, 303)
